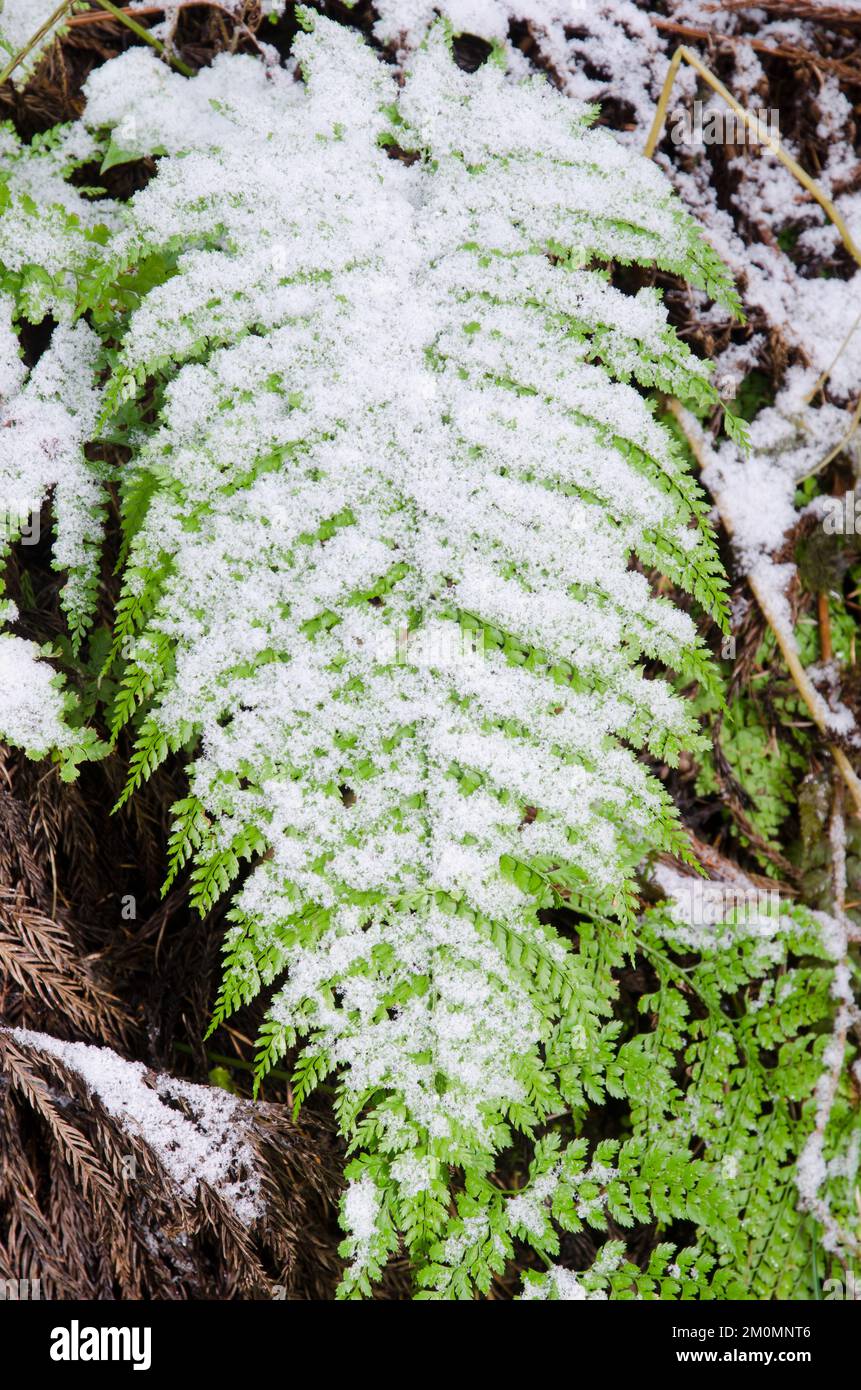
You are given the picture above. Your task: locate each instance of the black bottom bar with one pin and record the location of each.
(91, 1340)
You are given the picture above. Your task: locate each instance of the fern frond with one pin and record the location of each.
(395, 517)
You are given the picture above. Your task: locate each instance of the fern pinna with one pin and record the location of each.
(394, 487)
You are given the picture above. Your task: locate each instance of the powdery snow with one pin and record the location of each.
(209, 1145)
(31, 706)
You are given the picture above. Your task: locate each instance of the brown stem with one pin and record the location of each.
(753, 124)
(761, 592)
(125, 18)
(105, 17)
(53, 19)
(793, 55)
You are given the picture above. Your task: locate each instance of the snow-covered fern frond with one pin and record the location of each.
(45, 419)
(379, 575)
(48, 227)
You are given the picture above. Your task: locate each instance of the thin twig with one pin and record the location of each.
(792, 55)
(106, 17)
(839, 446)
(822, 14)
(220, 1059)
(785, 159)
(812, 1169)
(145, 34)
(36, 38)
(761, 592)
(833, 363)
(753, 124)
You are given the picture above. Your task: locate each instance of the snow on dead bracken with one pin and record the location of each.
(197, 1133)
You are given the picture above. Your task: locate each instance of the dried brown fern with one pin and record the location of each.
(86, 1206)
(100, 1212)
